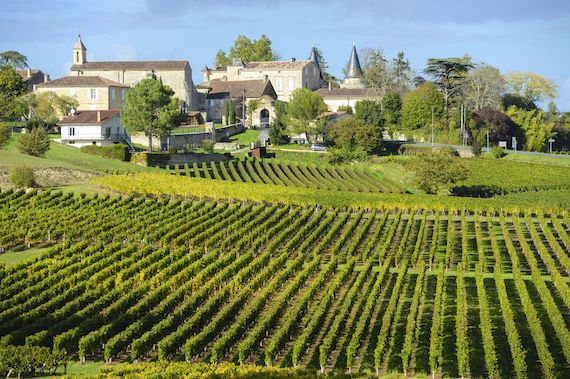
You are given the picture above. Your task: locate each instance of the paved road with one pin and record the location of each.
(460, 147)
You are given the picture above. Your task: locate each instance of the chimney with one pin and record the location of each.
(330, 86)
(46, 78)
(292, 60)
(98, 116)
(265, 78)
(29, 72)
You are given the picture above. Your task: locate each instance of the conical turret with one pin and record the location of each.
(313, 58)
(353, 70)
(79, 52)
(354, 77)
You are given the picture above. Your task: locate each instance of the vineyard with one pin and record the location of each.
(138, 278)
(290, 175)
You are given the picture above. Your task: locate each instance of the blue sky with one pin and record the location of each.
(512, 35)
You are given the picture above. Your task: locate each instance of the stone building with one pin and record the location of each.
(352, 89)
(219, 92)
(101, 128)
(285, 76)
(91, 92)
(32, 77)
(175, 74)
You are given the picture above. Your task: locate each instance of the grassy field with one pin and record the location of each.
(245, 138)
(68, 157)
(12, 258)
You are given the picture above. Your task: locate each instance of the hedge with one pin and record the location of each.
(407, 149)
(118, 151)
(150, 159)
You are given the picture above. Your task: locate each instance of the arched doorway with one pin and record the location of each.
(264, 118)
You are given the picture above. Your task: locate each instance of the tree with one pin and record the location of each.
(449, 75)
(351, 132)
(498, 124)
(14, 59)
(231, 112)
(278, 128)
(417, 107)
(12, 87)
(251, 107)
(392, 111)
(247, 50)
(327, 77)
(485, 88)
(303, 109)
(511, 99)
(150, 108)
(437, 172)
(531, 87)
(370, 112)
(377, 73)
(35, 143)
(22, 176)
(44, 109)
(5, 134)
(538, 129)
(402, 74)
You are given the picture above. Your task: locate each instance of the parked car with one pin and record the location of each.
(318, 147)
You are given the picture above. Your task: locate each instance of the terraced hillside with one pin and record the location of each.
(291, 175)
(457, 294)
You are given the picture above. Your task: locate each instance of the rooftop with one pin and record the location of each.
(89, 117)
(344, 92)
(253, 88)
(81, 81)
(132, 66)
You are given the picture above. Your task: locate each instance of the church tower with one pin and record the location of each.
(354, 77)
(79, 52)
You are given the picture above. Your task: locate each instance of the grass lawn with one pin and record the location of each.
(246, 138)
(69, 157)
(188, 129)
(550, 161)
(294, 146)
(12, 258)
(295, 156)
(77, 369)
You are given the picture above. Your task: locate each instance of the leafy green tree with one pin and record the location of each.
(485, 88)
(303, 109)
(278, 128)
(417, 107)
(437, 172)
(531, 87)
(35, 143)
(251, 107)
(401, 74)
(376, 72)
(231, 117)
(538, 129)
(150, 108)
(5, 134)
(369, 111)
(337, 155)
(392, 111)
(45, 109)
(14, 59)
(247, 50)
(449, 75)
(22, 176)
(11, 88)
(511, 99)
(350, 132)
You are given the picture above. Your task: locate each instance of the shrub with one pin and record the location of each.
(5, 134)
(338, 155)
(150, 159)
(345, 108)
(408, 149)
(449, 151)
(118, 151)
(497, 152)
(208, 145)
(35, 143)
(476, 148)
(22, 176)
(437, 172)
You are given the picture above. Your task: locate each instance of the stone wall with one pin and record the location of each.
(191, 158)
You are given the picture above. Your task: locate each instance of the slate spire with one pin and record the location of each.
(353, 70)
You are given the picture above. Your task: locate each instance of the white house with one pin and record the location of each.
(101, 128)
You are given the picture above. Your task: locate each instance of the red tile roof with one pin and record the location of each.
(131, 66)
(89, 117)
(81, 81)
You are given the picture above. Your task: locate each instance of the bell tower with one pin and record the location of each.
(79, 52)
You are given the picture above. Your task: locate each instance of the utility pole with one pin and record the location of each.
(432, 125)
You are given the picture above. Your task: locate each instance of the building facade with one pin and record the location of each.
(32, 77)
(285, 76)
(91, 92)
(101, 128)
(175, 74)
(219, 92)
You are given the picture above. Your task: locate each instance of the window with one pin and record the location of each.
(71, 142)
(314, 71)
(71, 131)
(291, 83)
(123, 94)
(72, 93)
(112, 94)
(108, 132)
(93, 93)
(279, 84)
